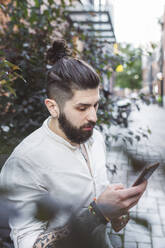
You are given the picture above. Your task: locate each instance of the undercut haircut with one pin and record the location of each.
(67, 74)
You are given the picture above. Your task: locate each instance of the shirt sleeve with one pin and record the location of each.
(89, 231)
(22, 181)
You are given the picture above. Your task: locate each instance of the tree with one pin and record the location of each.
(24, 42)
(131, 76)
(30, 28)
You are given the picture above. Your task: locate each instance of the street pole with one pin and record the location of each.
(161, 69)
(162, 95)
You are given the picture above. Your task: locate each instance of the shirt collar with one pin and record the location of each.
(61, 140)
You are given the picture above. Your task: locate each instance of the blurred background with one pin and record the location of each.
(124, 41)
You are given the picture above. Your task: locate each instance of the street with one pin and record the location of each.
(146, 229)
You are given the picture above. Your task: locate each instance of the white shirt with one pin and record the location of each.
(45, 163)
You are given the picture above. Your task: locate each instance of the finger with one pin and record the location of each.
(143, 185)
(133, 191)
(131, 202)
(116, 186)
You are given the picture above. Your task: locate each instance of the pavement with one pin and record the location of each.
(146, 228)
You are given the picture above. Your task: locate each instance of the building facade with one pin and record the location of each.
(163, 56)
(154, 69)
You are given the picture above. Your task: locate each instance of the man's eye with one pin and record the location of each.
(82, 109)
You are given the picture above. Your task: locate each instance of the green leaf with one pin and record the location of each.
(11, 65)
(38, 3)
(2, 82)
(11, 90)
(50, 2)
(63, 3)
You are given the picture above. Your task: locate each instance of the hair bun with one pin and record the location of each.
(58, 50)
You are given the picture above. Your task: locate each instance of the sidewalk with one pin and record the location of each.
(146, 229)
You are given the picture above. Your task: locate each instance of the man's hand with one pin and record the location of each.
(120, 222)
(115, 201)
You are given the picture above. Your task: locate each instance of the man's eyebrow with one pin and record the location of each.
(85, 104)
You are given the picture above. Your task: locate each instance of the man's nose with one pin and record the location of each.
(92, 115)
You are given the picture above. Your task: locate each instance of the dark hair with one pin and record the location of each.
(67, 74)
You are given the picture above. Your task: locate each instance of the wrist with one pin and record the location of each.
(95, 210)
(101, 207)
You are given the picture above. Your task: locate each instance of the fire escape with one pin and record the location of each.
(98, 22)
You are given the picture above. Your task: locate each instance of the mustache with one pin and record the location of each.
(90, 124)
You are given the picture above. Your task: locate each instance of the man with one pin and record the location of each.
(65, 159)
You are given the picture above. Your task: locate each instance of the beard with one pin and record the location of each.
(74, 134)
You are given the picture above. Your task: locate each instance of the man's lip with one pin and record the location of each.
(87, 128)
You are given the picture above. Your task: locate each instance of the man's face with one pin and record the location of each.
(78, 117)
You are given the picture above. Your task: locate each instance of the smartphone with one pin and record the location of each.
(146, 173)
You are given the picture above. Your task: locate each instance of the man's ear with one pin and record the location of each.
(52, 107)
